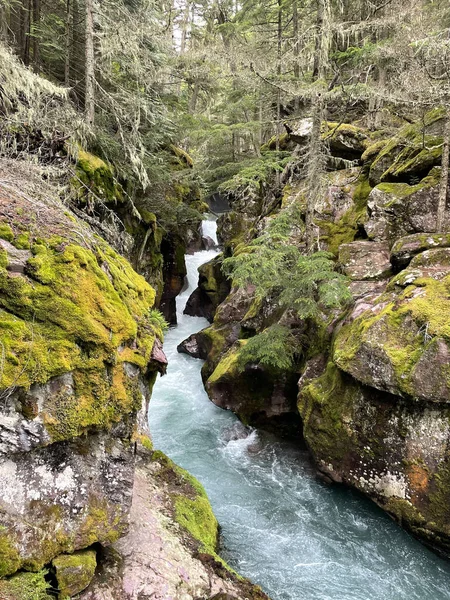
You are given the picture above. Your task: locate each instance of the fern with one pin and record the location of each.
(274, 348)
(275, 266)
(157, 321)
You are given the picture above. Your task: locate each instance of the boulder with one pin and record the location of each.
(191, 347)
(405, 248)
(399, 341)
(398, 209)
(363, 260)
(345, 140)
(411, 153)
(213, 288)
(259, 395)
(74, 572)
(208, 243)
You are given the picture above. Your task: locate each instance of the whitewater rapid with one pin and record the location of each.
(282, 528)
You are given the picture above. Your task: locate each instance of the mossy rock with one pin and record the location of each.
(26, 586)
(284, 140)
(193, 511)
(345, 140)
(95, 180)
(381, 445)
(412, 152)
(401, 343)
(182, 158)
(76, 307)
(74, 572)
(400, 209)
(345, 229)
(404, 249)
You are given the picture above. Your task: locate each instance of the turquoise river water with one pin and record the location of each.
(296, 537)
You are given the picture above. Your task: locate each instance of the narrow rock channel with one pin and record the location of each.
(296, 537)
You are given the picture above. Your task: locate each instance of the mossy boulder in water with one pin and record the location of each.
(213, 288)
(258, 394)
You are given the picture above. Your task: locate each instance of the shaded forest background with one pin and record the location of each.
(220, 80)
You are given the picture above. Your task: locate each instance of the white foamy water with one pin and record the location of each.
(296, 537)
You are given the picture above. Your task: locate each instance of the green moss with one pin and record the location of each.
(25, 586)
(409, 152)
(326, 405)
(9, 554)
(192, 508)
(94, 175)
(404, 512)
(6, 233)
(373, 150)
(431, 306)
(103, 522)
(22, 241)
(284, 140)
(196, 516)
(228, 366)
(183, 157)
(146, 442)
(74, 572)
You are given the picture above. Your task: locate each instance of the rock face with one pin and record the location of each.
(377, 416)
(78, 363)
(169, 551)
(80, 348)
(374, 387)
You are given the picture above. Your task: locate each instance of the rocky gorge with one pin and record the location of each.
(368, 389)
(89, 280)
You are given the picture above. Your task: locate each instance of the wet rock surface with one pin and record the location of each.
(159, 557)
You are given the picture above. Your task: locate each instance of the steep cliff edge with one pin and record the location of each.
(80, 348)
(372, 398)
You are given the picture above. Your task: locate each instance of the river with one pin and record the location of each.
(297, 538)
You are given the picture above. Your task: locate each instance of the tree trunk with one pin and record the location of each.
(194, 97)
(3, 23)
(314, 171)
(185, 26)
(279, 49)
(68, 45)
(26, 25)
(36, 48)
(89, 100)
(318, 42)
(296, 51)
(443, 187)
